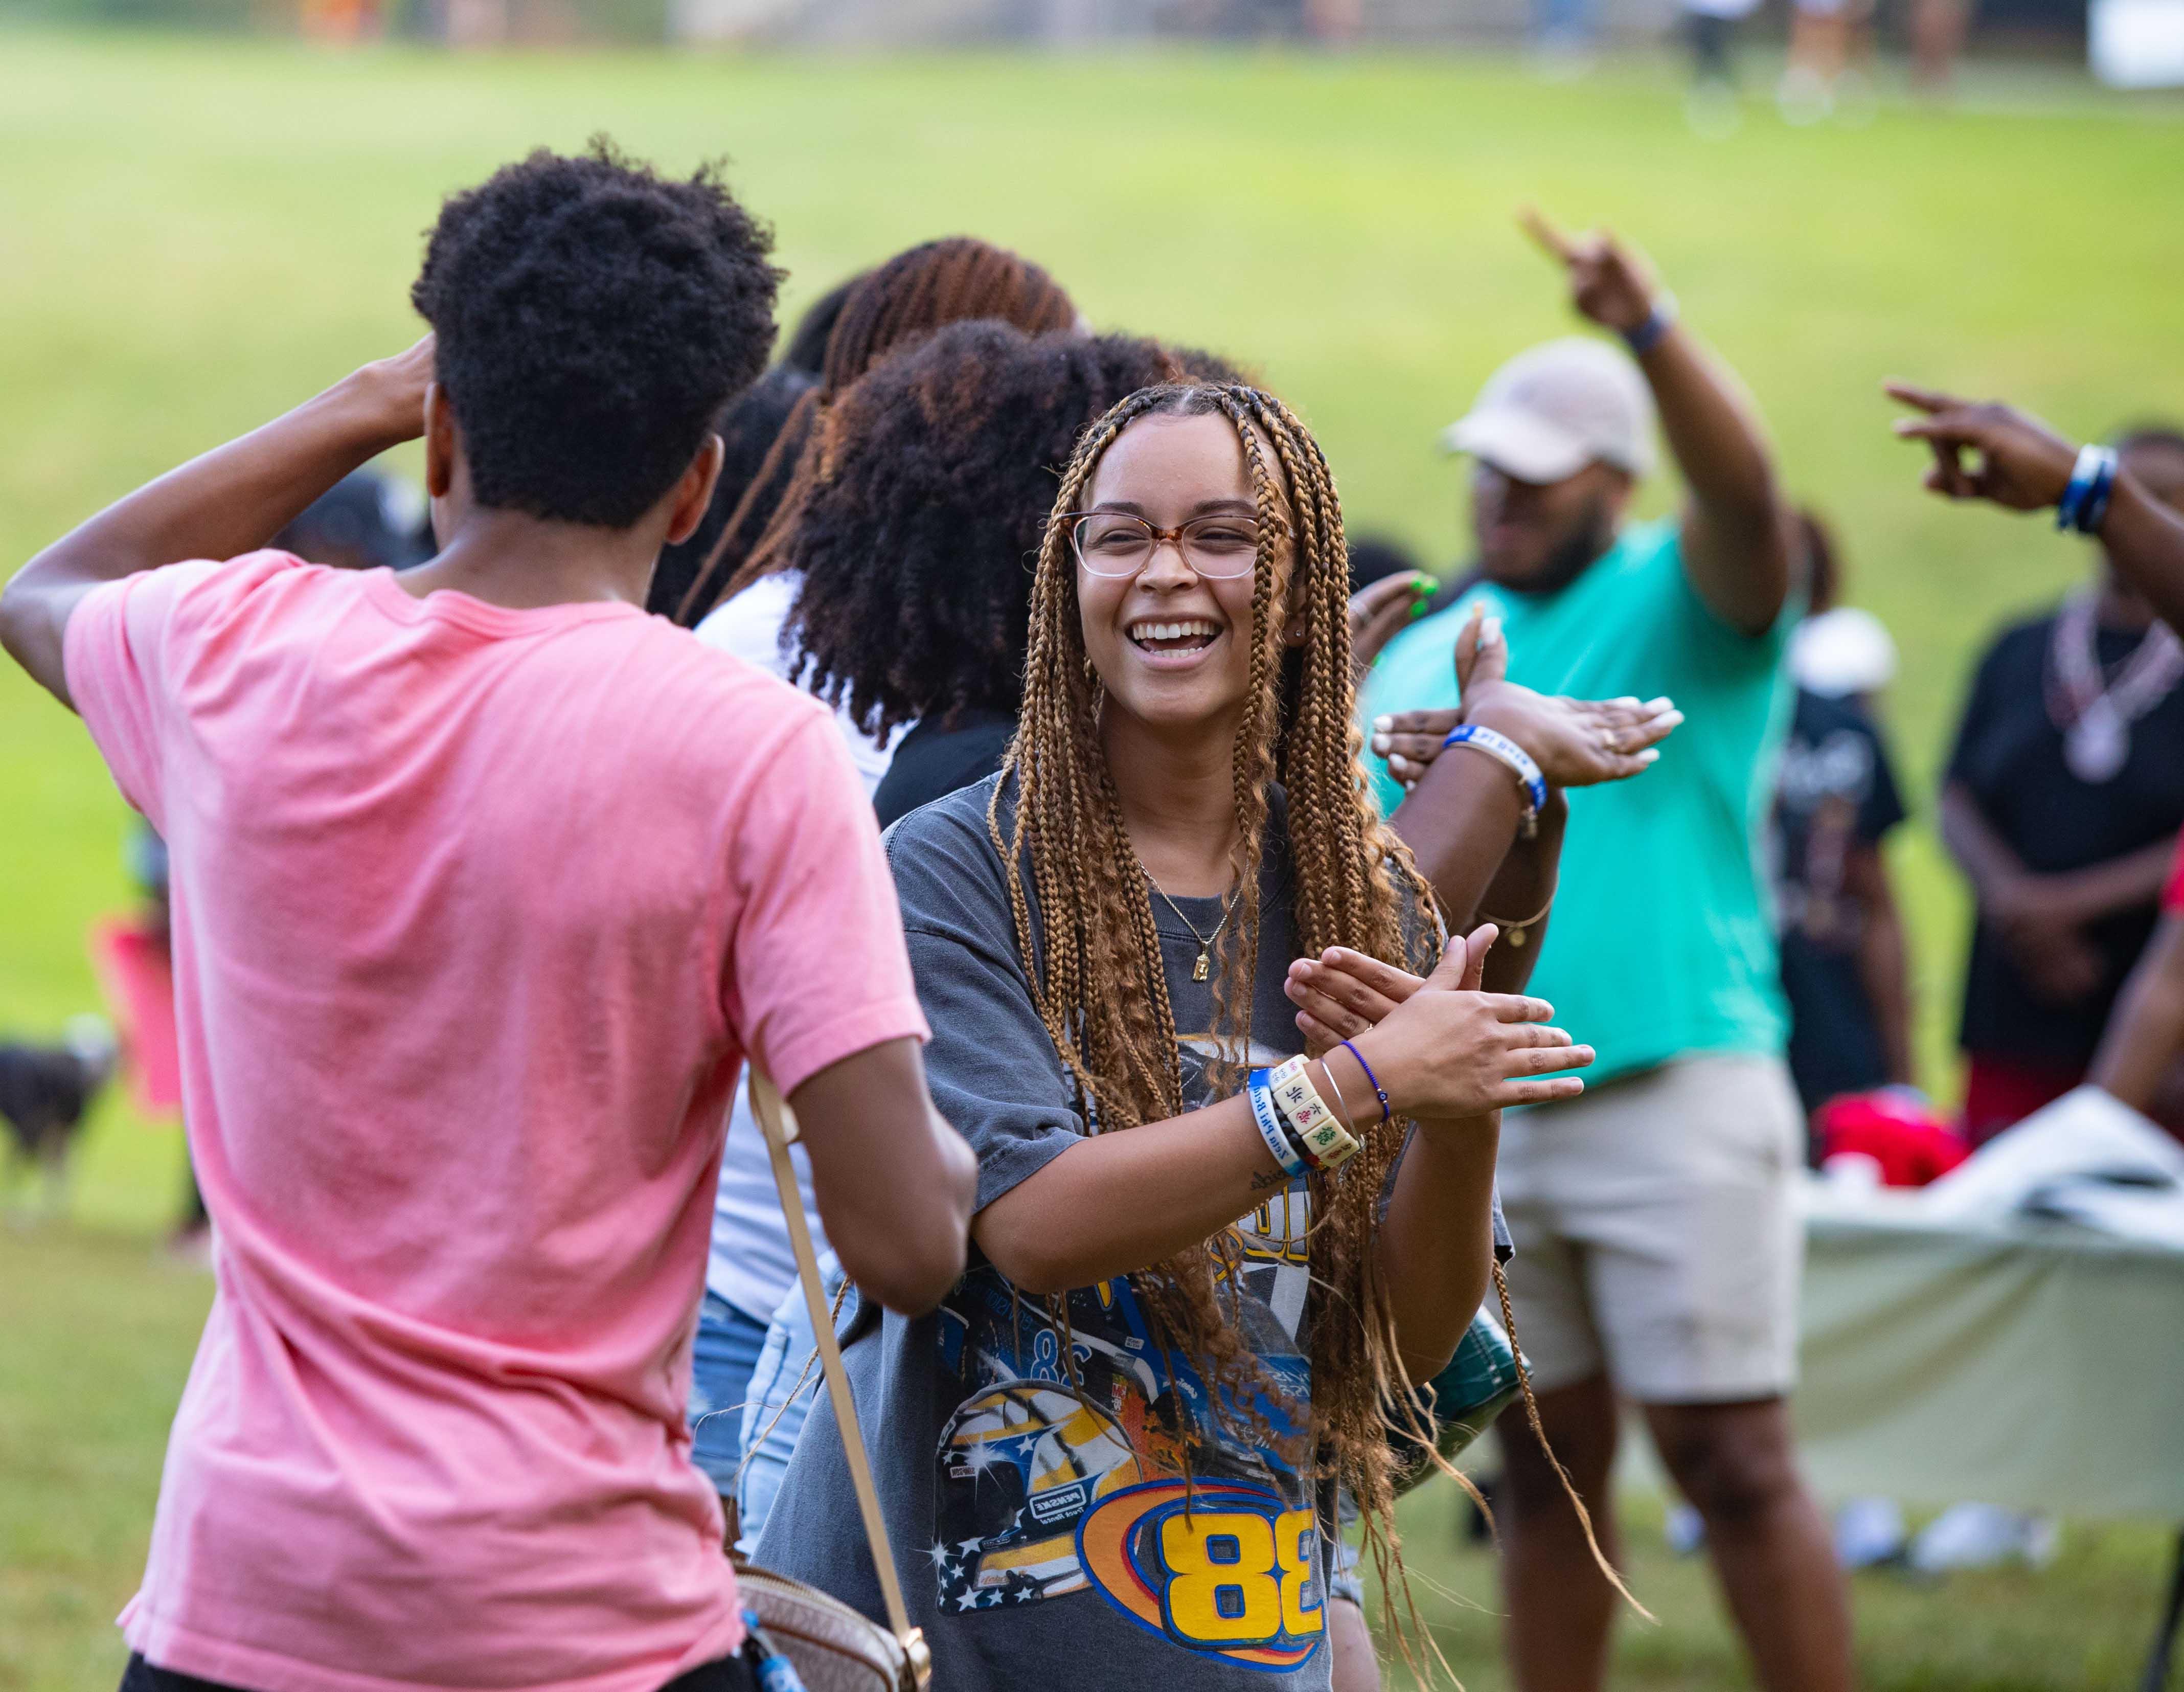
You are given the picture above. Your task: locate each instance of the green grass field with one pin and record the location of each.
(193, 236)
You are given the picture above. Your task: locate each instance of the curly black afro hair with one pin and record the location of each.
(938, 471)
(592, 318)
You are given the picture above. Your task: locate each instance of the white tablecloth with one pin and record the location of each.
(2037, 1364)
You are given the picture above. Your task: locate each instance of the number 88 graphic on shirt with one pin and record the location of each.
(1226, 1569)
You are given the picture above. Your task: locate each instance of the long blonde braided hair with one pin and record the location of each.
(1095, 963)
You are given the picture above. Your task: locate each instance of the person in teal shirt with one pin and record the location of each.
(1659, 1248)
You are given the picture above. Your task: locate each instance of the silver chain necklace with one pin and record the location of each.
(1204, 966)
(2094, 713)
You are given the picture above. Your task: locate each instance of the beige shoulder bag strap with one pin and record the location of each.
(778, 1122)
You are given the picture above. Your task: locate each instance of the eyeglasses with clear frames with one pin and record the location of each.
(1114, 543)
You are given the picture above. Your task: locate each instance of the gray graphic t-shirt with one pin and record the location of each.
(1037, 1502)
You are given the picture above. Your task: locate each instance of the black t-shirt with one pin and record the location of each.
(1836, 792)
(2009, 755)
(931, 761)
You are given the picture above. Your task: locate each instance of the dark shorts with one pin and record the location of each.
(729, 1674)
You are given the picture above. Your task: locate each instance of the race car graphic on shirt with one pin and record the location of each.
(1063, 1464)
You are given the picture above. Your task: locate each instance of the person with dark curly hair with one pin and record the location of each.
(917, 291)
(886, 310)
(484, 884)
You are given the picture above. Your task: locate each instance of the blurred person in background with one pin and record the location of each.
(1713, 107)
(2062, 804)
(2137, 1059)
(748, 429)
(949, 281)
(1843, 958)
(1829, 71)
(1938, 28)
(368, 520)
(750, 565)
(1658, 1246)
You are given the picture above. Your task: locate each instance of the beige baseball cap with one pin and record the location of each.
(1555, 408)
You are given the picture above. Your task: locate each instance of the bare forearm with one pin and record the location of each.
(2145, 542)
(1459, 821)
(1115, 1202)
(1436, 1243)
(2122, 884)
(1735, 546)
(1985, 858)
(1523, 887)
(2146, 1034)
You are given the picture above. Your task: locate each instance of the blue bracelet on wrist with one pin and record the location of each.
(1496, 745)
(1658, 322)
(2085, 502)
(1271, 1129)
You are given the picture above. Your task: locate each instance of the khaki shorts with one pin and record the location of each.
(1657, 1233)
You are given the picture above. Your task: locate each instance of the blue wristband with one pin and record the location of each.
(1496, 745)
(1270, 1128)
(2085, 502)
(1658, 322)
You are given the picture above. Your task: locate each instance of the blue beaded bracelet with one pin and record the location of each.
(1271, 1127)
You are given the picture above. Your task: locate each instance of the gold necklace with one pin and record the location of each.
(1204, 966)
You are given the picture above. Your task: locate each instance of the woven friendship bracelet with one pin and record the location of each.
(1325, 1143)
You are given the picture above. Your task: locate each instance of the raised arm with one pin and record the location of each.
(2022, 464)
(1461, 815)
(231, 500)
(1735, 534)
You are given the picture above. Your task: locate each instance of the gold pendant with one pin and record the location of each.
(1198, 970)
(1516, 937)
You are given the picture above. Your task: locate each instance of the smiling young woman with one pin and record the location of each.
(1119, 1442)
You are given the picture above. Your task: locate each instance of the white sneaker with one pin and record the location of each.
(1869, 1530)
(1983, 1536)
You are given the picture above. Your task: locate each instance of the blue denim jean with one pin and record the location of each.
(722, 1360)
(774, 1407)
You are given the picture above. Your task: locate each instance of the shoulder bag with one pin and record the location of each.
(833, 1647)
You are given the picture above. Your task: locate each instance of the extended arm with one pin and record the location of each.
(231, 500)
(1736, 538)
(2146, 1034)
(2023, 465)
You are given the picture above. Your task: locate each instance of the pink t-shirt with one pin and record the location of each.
(476, 911)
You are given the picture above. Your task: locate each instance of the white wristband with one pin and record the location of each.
(1327, 1144)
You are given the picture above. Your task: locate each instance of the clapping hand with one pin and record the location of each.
(1442, 1048)
(1575, 742)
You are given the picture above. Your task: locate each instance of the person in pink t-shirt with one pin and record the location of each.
(485, 886)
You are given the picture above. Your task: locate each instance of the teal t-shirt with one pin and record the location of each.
(1662, 940)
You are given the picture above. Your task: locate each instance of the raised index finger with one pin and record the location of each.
(1536, 224)
(1925, 399)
